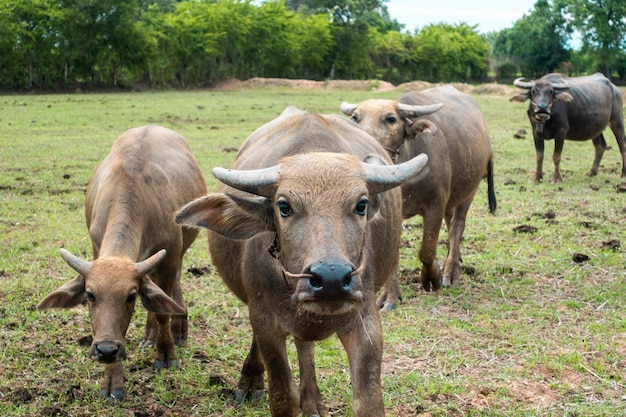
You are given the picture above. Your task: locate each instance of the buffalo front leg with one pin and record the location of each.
(391, 294)
(364, 346)
(112, 384)
(282, 392)
(310, 396)
(165, 356)
(179, 324)
(539, 149)
(556, 158)
(430, 275)
(251, 383)
(599, 144)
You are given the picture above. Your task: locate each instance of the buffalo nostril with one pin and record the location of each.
(316, 282)
(347, 282)
(107, 350)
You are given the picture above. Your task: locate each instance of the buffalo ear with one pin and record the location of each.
(563, 96)
(521, 96)
(67, 295)
(419, 127)
(155, 300)
(230, 216)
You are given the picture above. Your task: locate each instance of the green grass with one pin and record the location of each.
(528, 332)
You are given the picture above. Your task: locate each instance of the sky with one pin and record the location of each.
(488, 15)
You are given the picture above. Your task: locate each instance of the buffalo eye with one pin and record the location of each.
(361, 207)
(284, 208)
(391, 120)
(131, 297)
(90, 297)
(355, 118)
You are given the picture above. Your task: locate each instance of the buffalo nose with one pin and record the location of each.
(107, 351)
(543, 106)
(332, 276)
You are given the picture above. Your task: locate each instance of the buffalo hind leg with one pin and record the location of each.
(600, 146)
(431, 275)
(456, 227)
(251, 381)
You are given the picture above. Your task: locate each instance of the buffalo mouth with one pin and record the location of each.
(541, 117)
(328, 302)
(107, 351)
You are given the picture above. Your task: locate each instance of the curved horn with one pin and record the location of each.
(79, 265)
(520, 83)
(255, 181)
(563, 85)
(381, 178)
(144, 267)
(408, 110)
(348, 108)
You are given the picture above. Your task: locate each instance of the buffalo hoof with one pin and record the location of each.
(241, 395)
(115, 396)
(147, 343)
(446, 282)
(159, 364)
(388, 307)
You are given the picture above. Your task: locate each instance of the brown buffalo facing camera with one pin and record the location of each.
(138, 249)
(305, 228)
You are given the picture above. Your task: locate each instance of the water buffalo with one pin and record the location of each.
(138, 249)
(578, 108)
(305, 232)
(459, 148)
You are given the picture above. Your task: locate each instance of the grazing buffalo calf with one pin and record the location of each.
(578, 108)
(138, 248)
(305, 232)
(460, 153)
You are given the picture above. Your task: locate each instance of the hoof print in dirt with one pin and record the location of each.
(613, 244)
(580, 258)
(525, 228)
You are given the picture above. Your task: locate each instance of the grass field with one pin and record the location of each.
(530, 331)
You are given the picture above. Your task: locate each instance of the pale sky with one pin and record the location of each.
(489, 15)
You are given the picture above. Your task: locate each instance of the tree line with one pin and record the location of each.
(61, 44)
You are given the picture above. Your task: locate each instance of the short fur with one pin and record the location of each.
(579, 112)
(456, 140)
(318, 214)
(130, 203)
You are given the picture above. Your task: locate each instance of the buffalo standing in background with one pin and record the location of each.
(578, 108)
(460, 154)
(138, 249)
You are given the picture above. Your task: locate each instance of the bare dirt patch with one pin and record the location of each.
(234, 84)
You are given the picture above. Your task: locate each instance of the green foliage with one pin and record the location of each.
(602, 25)
(450, 53)
(528, 331)
(536, 42)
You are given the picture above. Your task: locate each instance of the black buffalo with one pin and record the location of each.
(578, 108)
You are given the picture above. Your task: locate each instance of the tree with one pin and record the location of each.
(602, 25)
(538, 40)
(447, 52)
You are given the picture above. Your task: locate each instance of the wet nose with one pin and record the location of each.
(331, 277)
(107, 351)
(542, 106)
